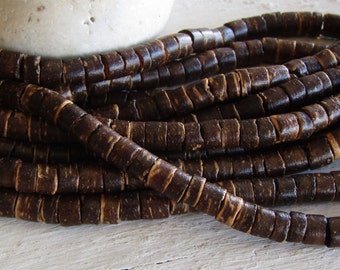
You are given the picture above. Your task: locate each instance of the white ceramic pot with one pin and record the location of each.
(79, 27)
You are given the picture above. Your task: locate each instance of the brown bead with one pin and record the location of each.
(69, 210)
(28, 206)
(229, 209)
(266, 131)
(26, 177)
(325, 187)
(94, 68)
(286, 125)
(47, 179)
(180, 101)
(153, 205)
(264, 191)
(264, 222)
(193, 68)
(226, 58)
(211, 133)
(90, 209)
(306, 127)
(245, 218)
(211, 198)
(298, 227)
(144, 57)
(275, 99)
(10, 63)
(296, 90)
(333, 238)
(9, 172)
(274, 163)
(316, 230)
(319, 153)
(8, 199)
(68, 178)
(305, 187)
(230, 133)
(244, 189)
(31, 69)
(110, 209)
(241, 52)
(281, 227)
(160, 175)
(141, 164)
(130, 206)
(163, 104)
(113, 64)
(294, 158)
(175, 136)
(90, 178)
(194, 191)
(242, 166)
(286, 190)
(49, 212)
(249, 136)
(193, 137)
(200, 94)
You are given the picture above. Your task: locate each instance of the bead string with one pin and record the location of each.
(154, 172)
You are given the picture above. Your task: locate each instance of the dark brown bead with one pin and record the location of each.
(28, 206)
(185, 44)
(254, 111)
(69, 209)
(90, 209)
(211, 198)
(305, 187)
(218, 87)
(210, 169)
(110, 209)
(249, 136)
(245, 218)
(239, 28)
(154, 205)
(209, 63)
(194, 191)
(245, 81)
(256, 25)
(316, 230)
(180, 101)
(330, 21)
(325, 187)
(274, 23)
(264, 191)
(294, 158)
(31, 69)
(331, 106)
(68, 178)
(297, 67)
(10, 63)
(211, 133)
(49, 212)
(286, 190)
(241, 52)
(175, 136)
(200, 94)
(274, 163)
(131, 61)
(147, 109)
(286, 126)
(8, 199)
(171, 47)
(227, 34)
(230, 133)
(229, 209)
(175, 190)
(193, 137)
(244, 189)
(275, 99)
(47, 179)
(26, 177)
(298, 227)
(226, 58)
(305, 124)
(242, 166)
(333, 237)
(259, 168)
(266, 131)
(225, 169)
(296, 91)
(264, 222)
(90, 178)
(130, 206)
(193, 68)
(281, 227)
(233, 85)
(144, 57)
(256, 52)
(113, 65)
(73, 71)
(312, 64)
(157, 53)
(319, 153)
(94, 68)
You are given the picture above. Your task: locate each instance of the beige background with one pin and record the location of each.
(193, 241)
